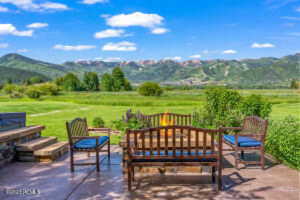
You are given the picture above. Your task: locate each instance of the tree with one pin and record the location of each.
(35, 80)
(295, 84)
(106, 82)
(127, 85)
(91, 81)
(71, 82)
(118, 79)
(150, 89)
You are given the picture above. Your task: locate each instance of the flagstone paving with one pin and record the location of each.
(54, 181)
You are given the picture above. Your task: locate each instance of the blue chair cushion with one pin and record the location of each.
(170, 153)
(90, 142)
(243, 141)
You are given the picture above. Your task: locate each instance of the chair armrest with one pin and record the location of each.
(85, 137)
(107, 130)
(231, 128)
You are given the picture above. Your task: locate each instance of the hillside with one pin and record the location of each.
(17, 61)
(193, 72)
(17, 75)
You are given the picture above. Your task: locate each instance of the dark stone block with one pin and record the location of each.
(9, 121)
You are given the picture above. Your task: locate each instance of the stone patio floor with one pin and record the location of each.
(54, 181)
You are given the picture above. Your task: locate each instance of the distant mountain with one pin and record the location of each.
(193, 72)
(17, 61)
(18, 75)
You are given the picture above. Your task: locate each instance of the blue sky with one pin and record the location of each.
(62, 30)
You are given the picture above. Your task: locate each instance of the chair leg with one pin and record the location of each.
(97, 161)
(236, 155)
(262, 159)
(71, 160)
(108, 150)
(213, 174)
(129, 178)
(132, 173)
(242, 154)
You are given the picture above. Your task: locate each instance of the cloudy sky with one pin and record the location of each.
(61, 30)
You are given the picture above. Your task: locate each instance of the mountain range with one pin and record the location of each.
(267, 70)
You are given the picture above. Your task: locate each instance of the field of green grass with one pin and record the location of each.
(54, 111)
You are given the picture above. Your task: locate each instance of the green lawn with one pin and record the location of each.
(54, 111)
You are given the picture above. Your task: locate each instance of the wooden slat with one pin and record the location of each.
(158, 141)
(189, 141)
(151, 142)
(181, 141)
(197, 142)
(212, 146)
(166, 141)
(204, 142)
(143, 143)
(19, 133)
(174, 141)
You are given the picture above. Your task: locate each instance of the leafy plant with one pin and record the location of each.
(98, 122)
(150, 89)
(33, 92)
(48, 89)
(91, 81)
(255, 105)
(283, 140)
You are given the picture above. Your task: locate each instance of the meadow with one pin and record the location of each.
(54, 111)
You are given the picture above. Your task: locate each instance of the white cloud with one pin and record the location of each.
(175, 58)
(120, 46)
(109, 33)
(291, 18)
(90, 2)
(3, 45)
(37, 25)
(135, 19)
(54, 6)
(3, 9)
(74, 48)
(9, 29)
(229, 51)
(262, 45)
(196, 56)
(159, 31)
(30, 5)
(23, 50)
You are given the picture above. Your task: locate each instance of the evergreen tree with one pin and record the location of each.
(127, 85)
(91, 81)
(106, 82)
(118, 79)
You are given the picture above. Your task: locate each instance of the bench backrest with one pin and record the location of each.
(256, 126)
(77, 127)
(163, 119)
(175, 141)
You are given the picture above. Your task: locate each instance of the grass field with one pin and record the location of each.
(54, 111)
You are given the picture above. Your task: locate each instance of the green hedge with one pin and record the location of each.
(283, 141)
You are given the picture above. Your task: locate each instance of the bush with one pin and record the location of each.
(150, 89)
(33, 93)
(98, 122)
(48, 89)
(255, 105)
(13, 90)
(283, 140)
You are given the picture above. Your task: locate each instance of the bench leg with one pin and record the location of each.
(242, 154)
(213, 174)
(129, 178)
(97, 160)
(108, 150)
(219, 181)
(236, 155)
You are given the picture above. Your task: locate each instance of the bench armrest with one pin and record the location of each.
(107, 130)
(231, 128)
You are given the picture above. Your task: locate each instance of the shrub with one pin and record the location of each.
(255, 105)
(10, 88)
(33, 93)
(222, 106)
(91, 81)
(48, 89)
(71, 82)
(150, 89)
(283, 140)
(13, 90)
(98, 122)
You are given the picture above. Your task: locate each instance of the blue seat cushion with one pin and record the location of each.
(243, 141)
(173, 159)
(90, 142)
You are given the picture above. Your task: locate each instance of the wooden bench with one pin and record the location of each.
(174, 146)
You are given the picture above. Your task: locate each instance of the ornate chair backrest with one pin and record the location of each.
(167, 119)
(174, 141)
(255, 125)
(75, 128)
